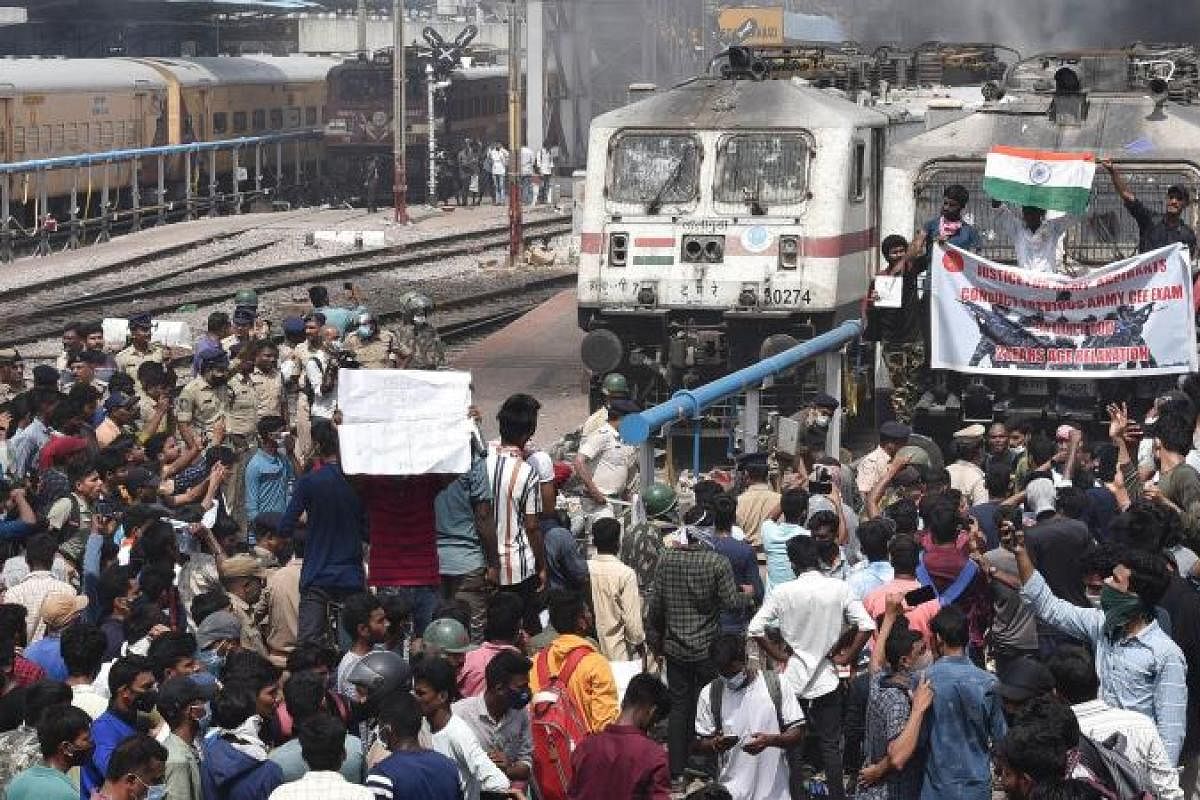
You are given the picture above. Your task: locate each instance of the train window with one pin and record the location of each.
(106, 135)
(858, 172)
(220, 122)
(46, 141)
(258, 120)
(276, 119)
(60, 138)
(239, 122)
(18, 140)
(655, 167)
(293, 117)
(763, 168)
(310, 115)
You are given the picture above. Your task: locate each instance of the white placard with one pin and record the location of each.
(889, 290)
(404, 422)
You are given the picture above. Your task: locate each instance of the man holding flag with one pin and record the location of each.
(1038, 181)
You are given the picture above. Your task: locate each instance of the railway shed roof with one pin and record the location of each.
(32, 75)
(254, 69)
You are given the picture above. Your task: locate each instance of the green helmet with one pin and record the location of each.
(447, 636)
(615, 383)
(246, 297)
(659, 499)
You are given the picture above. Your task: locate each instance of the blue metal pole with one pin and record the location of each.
(687, 404)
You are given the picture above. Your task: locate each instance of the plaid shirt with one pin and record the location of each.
(26, 672)
(692, 586)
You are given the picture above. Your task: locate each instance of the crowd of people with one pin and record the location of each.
(199, 604)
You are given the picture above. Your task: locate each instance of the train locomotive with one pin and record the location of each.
(1116, 104)
(723, 220)
(358, 134)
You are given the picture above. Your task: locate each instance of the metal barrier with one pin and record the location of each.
(190, 204)
(686, 404)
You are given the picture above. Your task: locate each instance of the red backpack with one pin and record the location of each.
(557, 724)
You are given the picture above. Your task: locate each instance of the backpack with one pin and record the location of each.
(1119, 778)
(557, 724)
(716, 692)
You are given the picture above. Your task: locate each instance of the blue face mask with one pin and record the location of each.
(157, 792)
(214, 663)
(365, 331)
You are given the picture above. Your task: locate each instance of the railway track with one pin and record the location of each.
(178, 286)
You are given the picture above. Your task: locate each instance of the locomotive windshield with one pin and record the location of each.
(655, 168)
(762, 168)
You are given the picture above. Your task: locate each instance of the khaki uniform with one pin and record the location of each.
(251, 637)
(202, 405)
(231, 343)
(595, 422)
(146, 406)
(377, 353)
(129, 359)
(303, 411)
(269, 391)
(424, 344)
(241, 428)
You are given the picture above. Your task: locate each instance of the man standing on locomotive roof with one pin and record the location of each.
(950, 226)
(140, 348)
(1155, 230)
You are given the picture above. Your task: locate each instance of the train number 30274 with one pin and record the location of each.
(787, 297)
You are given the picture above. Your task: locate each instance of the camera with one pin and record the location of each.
(821, 481)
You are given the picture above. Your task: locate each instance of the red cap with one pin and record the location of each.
(562, 473)
(58, 448)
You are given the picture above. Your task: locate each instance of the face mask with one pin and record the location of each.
(157, 792)
(1119, 609)
(1094, 599)
(212, 661)
(145, 701)
(737, 682)
(204, 719)
(418, 320)
(364, 331)
(1017, 451)
(822, 420)
(519, 698)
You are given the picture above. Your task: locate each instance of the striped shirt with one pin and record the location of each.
(1098, 721)
(1145, 672)
(515, 489)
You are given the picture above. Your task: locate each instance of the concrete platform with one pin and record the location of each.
(538, 355)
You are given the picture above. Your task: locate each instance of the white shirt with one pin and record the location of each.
(1143, 744)
(1040, 250)
(526, 156)
(85, 697)
(811, 612)
(968, 479)
(322, 786)
(608, 458)
(498, 160)
(517, 491)
(323, 405)
(476, 771)
(745, 712)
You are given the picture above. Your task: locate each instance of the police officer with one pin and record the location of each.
(614, 387)
(604, 463)
(268, 380)
(372, 348)
(243, 325)
(140, 348)
(12, 374)
(418, 335)
(204, 402)
(241, 427)
(642, 544)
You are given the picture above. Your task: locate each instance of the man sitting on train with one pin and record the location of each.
(1037, 241)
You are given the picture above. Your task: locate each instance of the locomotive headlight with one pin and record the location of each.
(748, 297)
(618, 249)
(693, 250)
(789, 252)
(646, 296)
(714, 250)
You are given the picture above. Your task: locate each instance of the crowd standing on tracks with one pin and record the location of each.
(198, 604)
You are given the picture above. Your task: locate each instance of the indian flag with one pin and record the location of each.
(1044, 178)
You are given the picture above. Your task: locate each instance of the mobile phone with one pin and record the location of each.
(920, 595)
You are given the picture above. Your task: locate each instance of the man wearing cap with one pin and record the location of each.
(203, 403)
(59, 612)
(758, 500)
(965, 474)
(1155, 230)
(240, 337)
(1026, 679)
(372, 347)
(871, 469)
(603, 462)
(268, 381)
(217, 636)
(241, 429)
(614, 387)
(182, 703)
(85, 368)
(242, 578)
(12, 379)
(140, 348)
(120, 412)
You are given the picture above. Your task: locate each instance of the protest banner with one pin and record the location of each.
(1131, 316)
(404, 422)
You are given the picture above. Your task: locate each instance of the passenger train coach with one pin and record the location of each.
(64, 107)
(723, 220)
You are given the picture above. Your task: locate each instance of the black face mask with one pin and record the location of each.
(145, 701)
